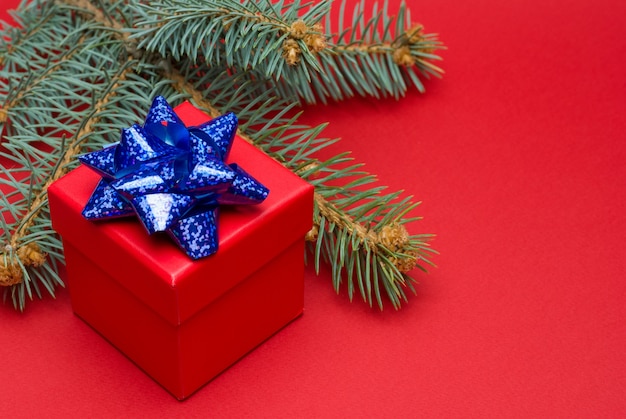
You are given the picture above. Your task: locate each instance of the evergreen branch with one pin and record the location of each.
(294, 53)
(351, 223)
(27, 27)
(17, 95)
(256, 34)
(368, 59)
(395, 252)
(30, 240)
(34, 62)
(358, 230)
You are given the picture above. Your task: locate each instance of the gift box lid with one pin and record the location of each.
(159, 273)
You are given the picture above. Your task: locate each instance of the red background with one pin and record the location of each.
(518, 154)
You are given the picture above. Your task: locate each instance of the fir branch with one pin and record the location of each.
(257, 34)
(358, 230)
(367, 58)
(27, 26)
(37, 44)
(396, 259)
(285, 44)
(70, 92)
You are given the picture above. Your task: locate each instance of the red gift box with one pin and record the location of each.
(183, 321)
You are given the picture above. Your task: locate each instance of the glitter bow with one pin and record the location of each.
(172, 177)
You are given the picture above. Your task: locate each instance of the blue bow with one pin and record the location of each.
(173, 177)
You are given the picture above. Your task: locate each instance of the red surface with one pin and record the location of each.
(518, 155)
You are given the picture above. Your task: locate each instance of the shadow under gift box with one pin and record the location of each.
(183, 321)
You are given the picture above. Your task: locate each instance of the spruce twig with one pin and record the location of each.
(252, 34)
(379, 56)
(62, 97)
(286, 44)
(358, 230)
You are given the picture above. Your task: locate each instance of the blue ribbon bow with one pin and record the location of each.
(172, 177)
